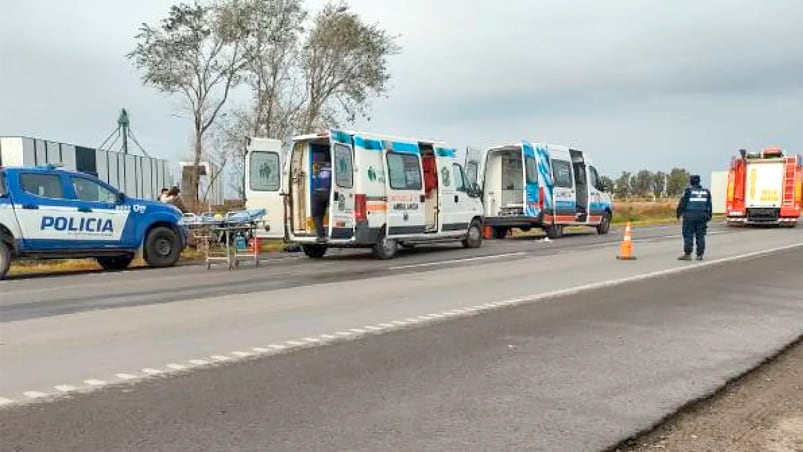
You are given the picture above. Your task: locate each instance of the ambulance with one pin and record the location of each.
(528, 185)
(386, 192)
(51, 213)
(764, 188)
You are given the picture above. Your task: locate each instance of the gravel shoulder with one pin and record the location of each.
(762, 411)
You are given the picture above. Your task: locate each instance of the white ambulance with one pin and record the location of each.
(537, 185)
(385, 192)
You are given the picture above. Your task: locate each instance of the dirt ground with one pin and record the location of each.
(763, 411)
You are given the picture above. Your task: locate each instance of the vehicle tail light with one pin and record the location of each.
(360, 208)
(541, 196)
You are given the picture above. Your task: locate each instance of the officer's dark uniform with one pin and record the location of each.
(320, 198)
(696, 209)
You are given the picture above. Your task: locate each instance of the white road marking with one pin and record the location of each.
(312, 340)
(343, 333)
(65, 388)
(4, 401)
(199, 362)
(386, 325)
(423, 317)
(94, 382)
(372, 328)
(358, 330)
(34, 394)
(327, 337)
(457, 261)
(220, 358)
(277, 346)
(242, 354)
(400, 323)
(176, 366)
(294, 343)
(126, 376)
(411, 320)
(260, 350)
(150, 371)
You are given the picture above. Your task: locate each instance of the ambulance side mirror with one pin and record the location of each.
(474, 190)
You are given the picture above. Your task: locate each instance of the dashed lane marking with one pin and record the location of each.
(65, 388)
(394, 324)
(34, 394)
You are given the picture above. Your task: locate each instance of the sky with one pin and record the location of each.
(636, 83)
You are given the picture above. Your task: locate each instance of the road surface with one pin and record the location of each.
(522, 344)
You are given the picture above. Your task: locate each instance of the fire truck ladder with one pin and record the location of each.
(790, 173)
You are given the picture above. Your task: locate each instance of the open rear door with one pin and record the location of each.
(474, 167)
(263, 183)
(532, 194)
(341, 201)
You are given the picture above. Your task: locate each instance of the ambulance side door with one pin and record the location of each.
(405, 189)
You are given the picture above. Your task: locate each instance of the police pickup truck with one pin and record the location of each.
(50, 213)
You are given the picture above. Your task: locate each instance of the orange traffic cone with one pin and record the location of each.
(626, 248)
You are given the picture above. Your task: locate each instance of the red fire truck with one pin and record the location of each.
(765, 188)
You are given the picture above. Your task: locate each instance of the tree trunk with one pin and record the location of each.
(195, 173)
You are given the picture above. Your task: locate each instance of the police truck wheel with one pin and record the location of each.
(162, 247)
(5, 259)
(314, 251)
(385, 248)
(114, 262)
(605, 225)
(473, 236)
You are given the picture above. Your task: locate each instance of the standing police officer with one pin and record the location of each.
(320, 198)
(696, 209)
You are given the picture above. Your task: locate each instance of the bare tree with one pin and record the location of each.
(345, 64)
(197, 53)
(274, 28)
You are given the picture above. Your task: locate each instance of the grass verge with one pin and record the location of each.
(30, 267)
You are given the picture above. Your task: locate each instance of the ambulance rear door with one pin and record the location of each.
(264, 173)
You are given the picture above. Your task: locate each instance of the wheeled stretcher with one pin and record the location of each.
(226, 238)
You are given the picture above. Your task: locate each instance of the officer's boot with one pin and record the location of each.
(685, 257)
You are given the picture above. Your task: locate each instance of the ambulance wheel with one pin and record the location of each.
(162, 247)
(5, 259)
(605, 225)
(314, 251)
(114, 262)
(385, 248)
(555, 231)
(473, 236)
(500, 232)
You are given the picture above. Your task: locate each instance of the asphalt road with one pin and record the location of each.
(27, 298)
(535, 346)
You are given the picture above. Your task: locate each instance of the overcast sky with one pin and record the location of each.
(638, 83)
